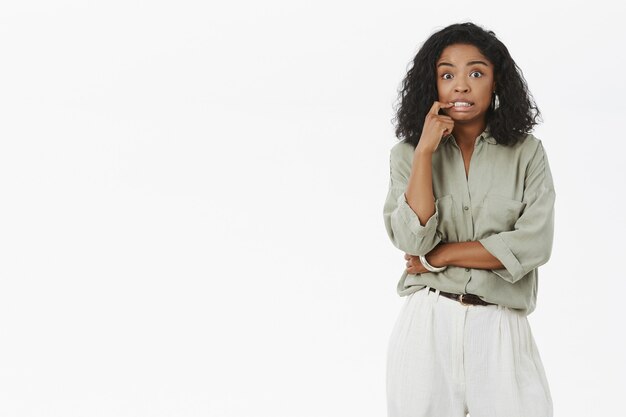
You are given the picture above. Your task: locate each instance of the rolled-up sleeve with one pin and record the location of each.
(402, 224)
(529, 245)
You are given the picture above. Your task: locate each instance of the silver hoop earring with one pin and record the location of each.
(496, 101)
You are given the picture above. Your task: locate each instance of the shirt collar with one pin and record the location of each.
(485, 135)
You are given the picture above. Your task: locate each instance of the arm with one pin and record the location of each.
(411, 186)
(419, 190)
(464, 254)
(529, 245)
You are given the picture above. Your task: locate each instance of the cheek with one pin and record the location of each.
(485, 96)
(443, 92)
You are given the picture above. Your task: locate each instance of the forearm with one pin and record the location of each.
(464, 254)
(419, 192)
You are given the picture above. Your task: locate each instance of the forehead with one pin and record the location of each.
(461, 54)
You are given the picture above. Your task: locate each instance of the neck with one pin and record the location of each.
(466, 135)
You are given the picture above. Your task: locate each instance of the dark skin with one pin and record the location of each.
(462, 72)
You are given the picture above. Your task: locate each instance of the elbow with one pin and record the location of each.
(412, 244)
(416, 250)
(546, 253)
(545, 257)
(408, 235)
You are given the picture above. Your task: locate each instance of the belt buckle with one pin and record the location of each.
(461, 300)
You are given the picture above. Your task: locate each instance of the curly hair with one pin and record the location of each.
(517, 112)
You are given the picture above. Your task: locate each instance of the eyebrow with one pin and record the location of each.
(468, 64)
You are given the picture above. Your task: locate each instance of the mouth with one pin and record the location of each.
(461, 106)
(463, 103)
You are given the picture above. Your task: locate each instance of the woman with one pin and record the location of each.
(471, 203)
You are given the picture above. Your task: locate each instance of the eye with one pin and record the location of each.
(477, 72)
(444, 75)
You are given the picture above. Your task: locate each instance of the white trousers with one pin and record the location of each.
(446, 359)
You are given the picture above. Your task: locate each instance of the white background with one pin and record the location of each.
(191, 202)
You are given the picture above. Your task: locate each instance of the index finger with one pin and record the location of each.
(437, 105)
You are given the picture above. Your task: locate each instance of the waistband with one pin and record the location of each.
(464, 299)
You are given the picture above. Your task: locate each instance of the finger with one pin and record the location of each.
(438, 105)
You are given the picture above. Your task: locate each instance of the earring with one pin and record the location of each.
(495, 101)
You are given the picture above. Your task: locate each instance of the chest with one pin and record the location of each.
(471, 174)
(466, 155)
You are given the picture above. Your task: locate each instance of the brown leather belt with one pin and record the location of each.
(465, 299)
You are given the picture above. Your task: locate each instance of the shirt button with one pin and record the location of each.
(465, 208)
(467, 269)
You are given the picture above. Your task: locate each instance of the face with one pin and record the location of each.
(464, 74)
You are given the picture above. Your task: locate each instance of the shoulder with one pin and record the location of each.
(401, 159)
(533, 148)
(526, 149)
(534, 157)
(531, 144)
(402, 151)
(401, 155)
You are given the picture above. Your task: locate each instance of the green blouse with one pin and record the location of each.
(506, 203)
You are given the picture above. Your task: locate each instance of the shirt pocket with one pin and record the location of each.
(446, 225)
(499, 214)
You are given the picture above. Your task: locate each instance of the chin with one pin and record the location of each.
(462, 116)
(465, 118)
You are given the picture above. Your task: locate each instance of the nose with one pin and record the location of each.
(461, 85)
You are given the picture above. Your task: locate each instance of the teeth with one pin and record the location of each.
(461, 103)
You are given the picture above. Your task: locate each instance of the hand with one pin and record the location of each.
(434, 257)
(414, 264)
(435, 127)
